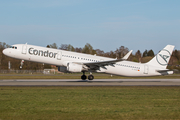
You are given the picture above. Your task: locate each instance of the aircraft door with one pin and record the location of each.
(24, 49)
(59, 55)
(146, 69)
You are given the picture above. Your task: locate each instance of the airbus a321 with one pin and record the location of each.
(78, 62)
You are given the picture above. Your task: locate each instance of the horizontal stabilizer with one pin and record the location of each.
(165, 72)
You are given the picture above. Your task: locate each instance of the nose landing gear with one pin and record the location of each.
(22, 62)
(84, 77)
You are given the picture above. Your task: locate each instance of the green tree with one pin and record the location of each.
(150, 53)
(99, 52)
(64, 47)
(138, 56)
(88, 49)
(145, 53)
(3, 58)
(78, 50)
(70, 48)
(112, 54)
(121, 51)
(176, 54)
(54, 45)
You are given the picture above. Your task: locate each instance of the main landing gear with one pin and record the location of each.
(84, 77)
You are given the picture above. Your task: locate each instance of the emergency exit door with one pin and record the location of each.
(24, 49)
(146, 69)
(59, 54)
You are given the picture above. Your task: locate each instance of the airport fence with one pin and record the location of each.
(49, 71)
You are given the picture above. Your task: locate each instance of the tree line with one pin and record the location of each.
(87, 49)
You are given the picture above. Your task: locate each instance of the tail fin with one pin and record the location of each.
(162, 58)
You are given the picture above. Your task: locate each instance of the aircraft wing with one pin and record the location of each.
(96, 65)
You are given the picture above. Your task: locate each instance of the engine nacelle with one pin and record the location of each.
(62, 69)
(73, 67)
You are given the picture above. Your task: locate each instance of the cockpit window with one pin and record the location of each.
(13, 47)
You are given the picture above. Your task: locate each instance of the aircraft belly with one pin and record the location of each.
(131, 72)
(123, 71)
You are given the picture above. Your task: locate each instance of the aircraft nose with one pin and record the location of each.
(5, 51)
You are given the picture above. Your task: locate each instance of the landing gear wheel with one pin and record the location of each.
(90, 77)
(83, 77)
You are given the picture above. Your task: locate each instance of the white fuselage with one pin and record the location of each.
(61, 58)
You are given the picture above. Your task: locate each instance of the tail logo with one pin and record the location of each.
(163, 57)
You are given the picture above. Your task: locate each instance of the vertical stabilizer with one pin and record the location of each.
(162, 58)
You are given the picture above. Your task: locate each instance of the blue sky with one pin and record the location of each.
(105, 24)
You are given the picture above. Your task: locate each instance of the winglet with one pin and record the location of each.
(127, 55)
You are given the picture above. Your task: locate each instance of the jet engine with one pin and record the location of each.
(62, 69)
(73, 67)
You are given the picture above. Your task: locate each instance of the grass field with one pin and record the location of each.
(89, 103)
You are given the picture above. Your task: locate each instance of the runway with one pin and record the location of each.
(95, 82)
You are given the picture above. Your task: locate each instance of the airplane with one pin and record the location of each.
(67, 61)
